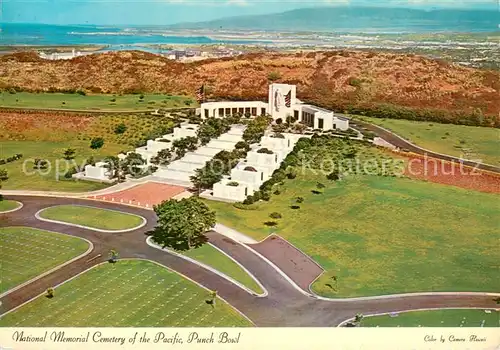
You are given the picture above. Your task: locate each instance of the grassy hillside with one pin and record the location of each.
(383, 235)
(470, 142)
(92, 102)
(400, 86)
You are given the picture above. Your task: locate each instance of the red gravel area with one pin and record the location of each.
(455, 174)
(295, 264)
(146, 195)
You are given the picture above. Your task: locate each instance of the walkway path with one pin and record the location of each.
(285, 305)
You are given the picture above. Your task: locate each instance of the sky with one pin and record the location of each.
(164, 12)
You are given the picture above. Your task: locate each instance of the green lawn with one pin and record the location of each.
(383, 235)
(436, 318)
(28, 252)
(6, 205)
(130, 293)
(92, 217)
(96, 102)
(471, 142)
(210, 256)
(25, 178)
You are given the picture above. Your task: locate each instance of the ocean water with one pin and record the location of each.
(42, 34)
(142, 38)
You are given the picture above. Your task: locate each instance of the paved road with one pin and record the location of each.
(404, 144)
(283, 306)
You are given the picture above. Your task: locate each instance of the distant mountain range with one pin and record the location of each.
(359, 19)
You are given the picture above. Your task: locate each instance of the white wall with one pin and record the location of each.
(341, 124)
(96, 172)
(156, 146)
(232, 193)
(213, 108)
(276, 100)
(263, 159)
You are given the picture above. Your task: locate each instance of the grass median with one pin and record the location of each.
(96, 218)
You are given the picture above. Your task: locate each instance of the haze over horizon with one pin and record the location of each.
(168, 12)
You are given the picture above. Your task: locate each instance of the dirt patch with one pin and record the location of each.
(455, 174)
(147, 195)
(295, 264)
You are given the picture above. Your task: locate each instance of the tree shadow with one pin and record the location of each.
(295, 207)
(316, 192)
(210, 302)
(271, 223)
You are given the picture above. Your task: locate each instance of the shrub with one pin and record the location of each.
(265, 196)
(292, 174)
(243, 206)
(242, 145)
(295, 207)
(113, 100)
(141, 97)
(299, 200)
(275, 215)
(271, 223)
(277, 192)
(273, 76)
(120, 128)
(96, 143)
(81, 92)
(233, 184)
(265, 151)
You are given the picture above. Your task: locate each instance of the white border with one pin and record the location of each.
(19, 207)
(150, 242)
(139, 259)
(37, 215)
(90, 249)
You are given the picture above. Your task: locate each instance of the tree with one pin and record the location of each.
(358, 318)
(182, 224)
(275, 215)
(4, 175)
(115, 167)
(40, 164)
(185, 144)
(50, 293)
(334, 175)
(132, 164)
(96, 143)
(163, 157)
(113, 256)
(69, 154)
(242, 145)
(205, 178)
(273, 76)
(205, 133)
(120, 128)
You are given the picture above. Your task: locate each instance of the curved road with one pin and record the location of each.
(283, 306)
(405, 144)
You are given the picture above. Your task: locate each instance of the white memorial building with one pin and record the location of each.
(282, 102)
